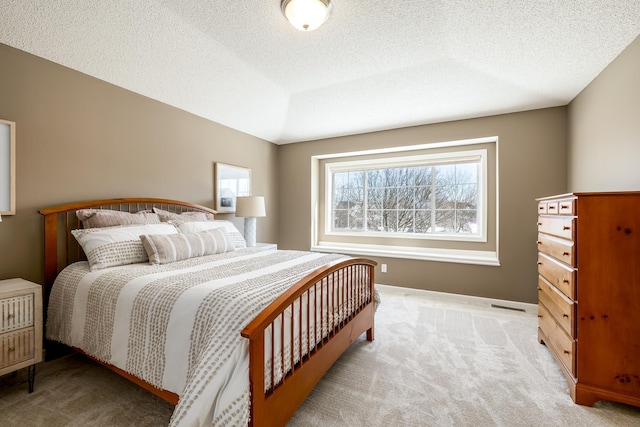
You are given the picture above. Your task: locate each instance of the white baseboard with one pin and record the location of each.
(498, 303)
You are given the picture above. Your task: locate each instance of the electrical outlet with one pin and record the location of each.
(383, 268)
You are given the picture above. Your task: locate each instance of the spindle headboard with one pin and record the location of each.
(61, 248)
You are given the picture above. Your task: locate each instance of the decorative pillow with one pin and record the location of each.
(194, 226)
(165, 248)
(112, 246)
(94, 218)
(184, 216)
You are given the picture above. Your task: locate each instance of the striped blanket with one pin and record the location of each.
(177, 326)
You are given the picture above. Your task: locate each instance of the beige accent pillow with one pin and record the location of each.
(184, 216)
(113, 246)
(163, 249)
(94, 218)
(194, 226)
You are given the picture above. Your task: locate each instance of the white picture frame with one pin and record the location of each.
(230, 182)
(7, 167)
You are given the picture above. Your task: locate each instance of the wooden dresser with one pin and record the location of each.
(589, 292)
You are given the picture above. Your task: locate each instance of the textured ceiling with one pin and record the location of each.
(373, 65)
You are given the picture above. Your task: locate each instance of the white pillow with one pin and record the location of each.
(112, 246)
(195, 226)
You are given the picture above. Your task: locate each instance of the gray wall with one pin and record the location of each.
(604, 128)
(532, 163)
(79, 138)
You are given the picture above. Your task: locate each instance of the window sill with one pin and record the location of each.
(489, 258)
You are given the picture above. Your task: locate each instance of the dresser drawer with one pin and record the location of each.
(561, 308)
(557, 226)
(542, 208)
(552, 208)
(559, 275)
(557, 207)
(16, 313)
(561, 249)
(561, 344)
(566, 207)
(17, 346)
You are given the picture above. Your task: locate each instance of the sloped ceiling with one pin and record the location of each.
(373, 65)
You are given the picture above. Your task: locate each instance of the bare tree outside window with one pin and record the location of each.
(419, 199)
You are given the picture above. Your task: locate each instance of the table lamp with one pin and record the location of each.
(250, 208)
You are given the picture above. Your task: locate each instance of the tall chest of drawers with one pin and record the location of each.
(589, 292)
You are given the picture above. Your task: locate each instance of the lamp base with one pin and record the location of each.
(250, 231)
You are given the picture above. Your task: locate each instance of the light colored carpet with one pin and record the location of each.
(435, 361)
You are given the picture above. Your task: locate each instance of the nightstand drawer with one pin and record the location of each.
(16, 347)
(16, 313)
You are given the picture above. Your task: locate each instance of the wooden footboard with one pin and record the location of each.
(297, 357)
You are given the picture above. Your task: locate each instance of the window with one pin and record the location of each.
(435, 201)
(420, 195)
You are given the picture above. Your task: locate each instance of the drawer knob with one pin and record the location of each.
(566, 316)
(539, 262)
(564, 206)
(551, 208)
(567, 352)
(539, 242)
(539, 288)
(539, 223)
(566, 227)
(565, 253)
(565, 281)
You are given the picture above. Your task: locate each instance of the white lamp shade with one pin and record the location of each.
(250, 207)
(306, 15)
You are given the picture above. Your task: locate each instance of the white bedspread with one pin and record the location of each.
(177, 326)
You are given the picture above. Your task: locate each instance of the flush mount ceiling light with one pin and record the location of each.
(306, 15)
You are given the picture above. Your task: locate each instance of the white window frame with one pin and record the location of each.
(423, 159)
(467, 256)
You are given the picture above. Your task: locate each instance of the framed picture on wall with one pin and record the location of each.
(7, 167)
(230, 182)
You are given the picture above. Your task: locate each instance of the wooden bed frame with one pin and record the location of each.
(276, 405)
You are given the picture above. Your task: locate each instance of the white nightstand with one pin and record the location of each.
(20, 327)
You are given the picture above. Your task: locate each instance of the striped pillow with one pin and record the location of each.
(113, 246)
(166, 248)
(194, 226)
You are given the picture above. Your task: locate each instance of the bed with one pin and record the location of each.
(288, 315)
